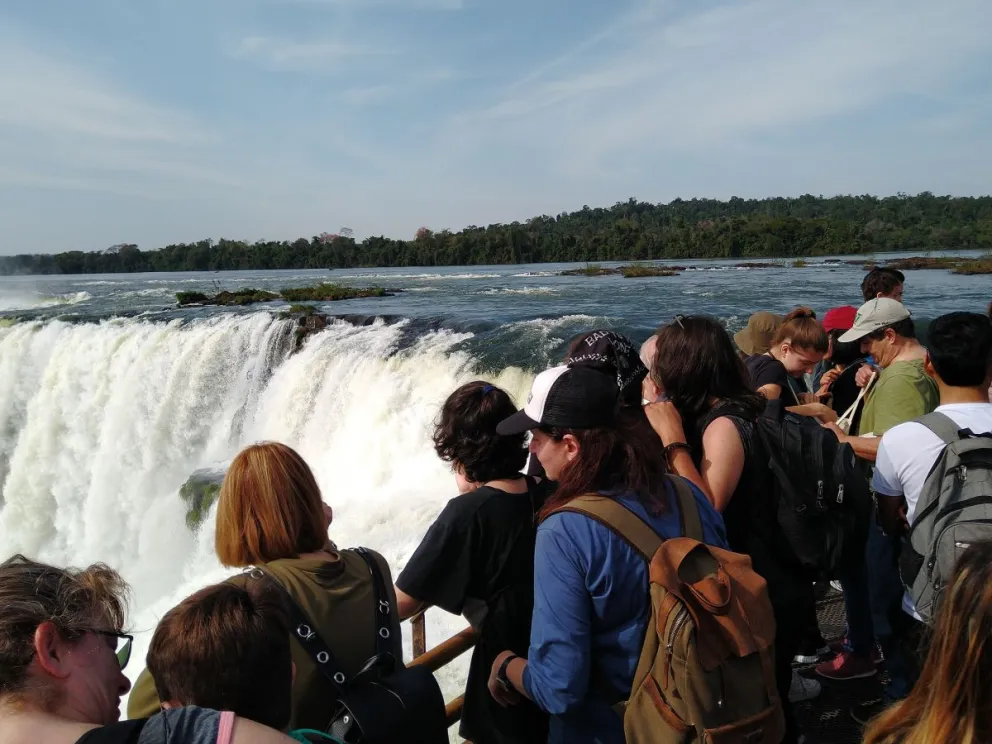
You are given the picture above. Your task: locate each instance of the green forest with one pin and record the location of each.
(628, 231)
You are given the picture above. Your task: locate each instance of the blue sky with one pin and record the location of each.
(156, 121)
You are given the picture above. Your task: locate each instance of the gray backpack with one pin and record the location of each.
(954, 511)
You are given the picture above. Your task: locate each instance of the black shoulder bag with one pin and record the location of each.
(386, 702)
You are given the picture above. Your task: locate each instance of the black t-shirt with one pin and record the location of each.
(477, 559)
(766, 370)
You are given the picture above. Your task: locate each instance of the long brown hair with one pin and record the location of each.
(803, 331)
(626, 455)
(269, 507)
(951, 702)
(695, 363)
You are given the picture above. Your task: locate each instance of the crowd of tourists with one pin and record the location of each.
(636, 547)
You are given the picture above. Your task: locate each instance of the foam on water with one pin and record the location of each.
(550, 291)
(100, 424)
(32, 301)
(425, 275)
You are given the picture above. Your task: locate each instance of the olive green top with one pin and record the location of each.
(337, 596)
(902, 393)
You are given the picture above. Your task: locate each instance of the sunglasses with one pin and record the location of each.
(122, 644)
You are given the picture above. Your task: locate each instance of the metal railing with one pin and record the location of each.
(441, 655)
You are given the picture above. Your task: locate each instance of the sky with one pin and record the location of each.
(160, 121)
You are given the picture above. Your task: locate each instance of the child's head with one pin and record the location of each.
(227, 648)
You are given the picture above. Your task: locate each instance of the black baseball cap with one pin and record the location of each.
(611, 353)
(566, 397)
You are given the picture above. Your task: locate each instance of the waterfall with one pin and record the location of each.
(101, 423)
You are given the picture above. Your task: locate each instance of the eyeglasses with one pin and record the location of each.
(121, 646)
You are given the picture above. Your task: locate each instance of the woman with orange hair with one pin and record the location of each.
(950, 702)
(270, 514)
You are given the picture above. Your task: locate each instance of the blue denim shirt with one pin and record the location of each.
(591, 612)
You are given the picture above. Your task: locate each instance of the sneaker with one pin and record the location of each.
(864, 712)
(845, 666)
(811, 655)
(812, 650)
(803, 688)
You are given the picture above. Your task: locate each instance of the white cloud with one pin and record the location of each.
(720, 74)
(63, 127)
(39, 94)
(401, 84)
(401, 4)
(312, 55)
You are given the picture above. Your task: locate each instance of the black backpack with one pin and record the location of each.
(386, 702)
(822, 497)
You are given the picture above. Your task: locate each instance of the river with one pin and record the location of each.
(111, 396)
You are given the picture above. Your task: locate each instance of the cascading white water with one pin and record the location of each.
(100, 424)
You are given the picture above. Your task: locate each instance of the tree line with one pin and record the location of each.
(628, 231)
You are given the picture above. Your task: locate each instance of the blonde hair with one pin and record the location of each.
(950, 702)
(803, 331)
(33, 593)
(269, 507)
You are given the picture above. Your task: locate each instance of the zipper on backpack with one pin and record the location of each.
(932, 553)
(840, 494)
(677, 624)
(819, 494)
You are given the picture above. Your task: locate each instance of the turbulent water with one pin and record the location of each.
(110, 396)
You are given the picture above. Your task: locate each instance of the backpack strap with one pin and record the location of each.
(629, 526)
(383, 645)
(692, 525)
(306, 634)
(941, 425)
(619, 519)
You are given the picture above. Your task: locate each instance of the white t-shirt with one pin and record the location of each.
(908, 451)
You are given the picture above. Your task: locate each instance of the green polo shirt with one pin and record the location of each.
(902, 393)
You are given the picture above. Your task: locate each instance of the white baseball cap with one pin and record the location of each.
(874, 315)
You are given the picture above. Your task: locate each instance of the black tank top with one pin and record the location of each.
(124, 732)
(751, 516)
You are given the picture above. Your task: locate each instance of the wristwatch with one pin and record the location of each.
(501, 677)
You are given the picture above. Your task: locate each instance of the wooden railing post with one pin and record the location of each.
(439, 656)
(418, 624)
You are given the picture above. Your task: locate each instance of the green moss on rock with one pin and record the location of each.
(636, 271)
(199, 492)
(325, 292)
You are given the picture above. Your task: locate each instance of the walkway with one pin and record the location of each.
(827, 720)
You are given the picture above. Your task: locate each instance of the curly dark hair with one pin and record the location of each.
(465, 433)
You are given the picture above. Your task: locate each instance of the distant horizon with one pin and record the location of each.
(359, 238)
(159, 123)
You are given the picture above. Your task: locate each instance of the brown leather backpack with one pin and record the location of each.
(706, 672)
